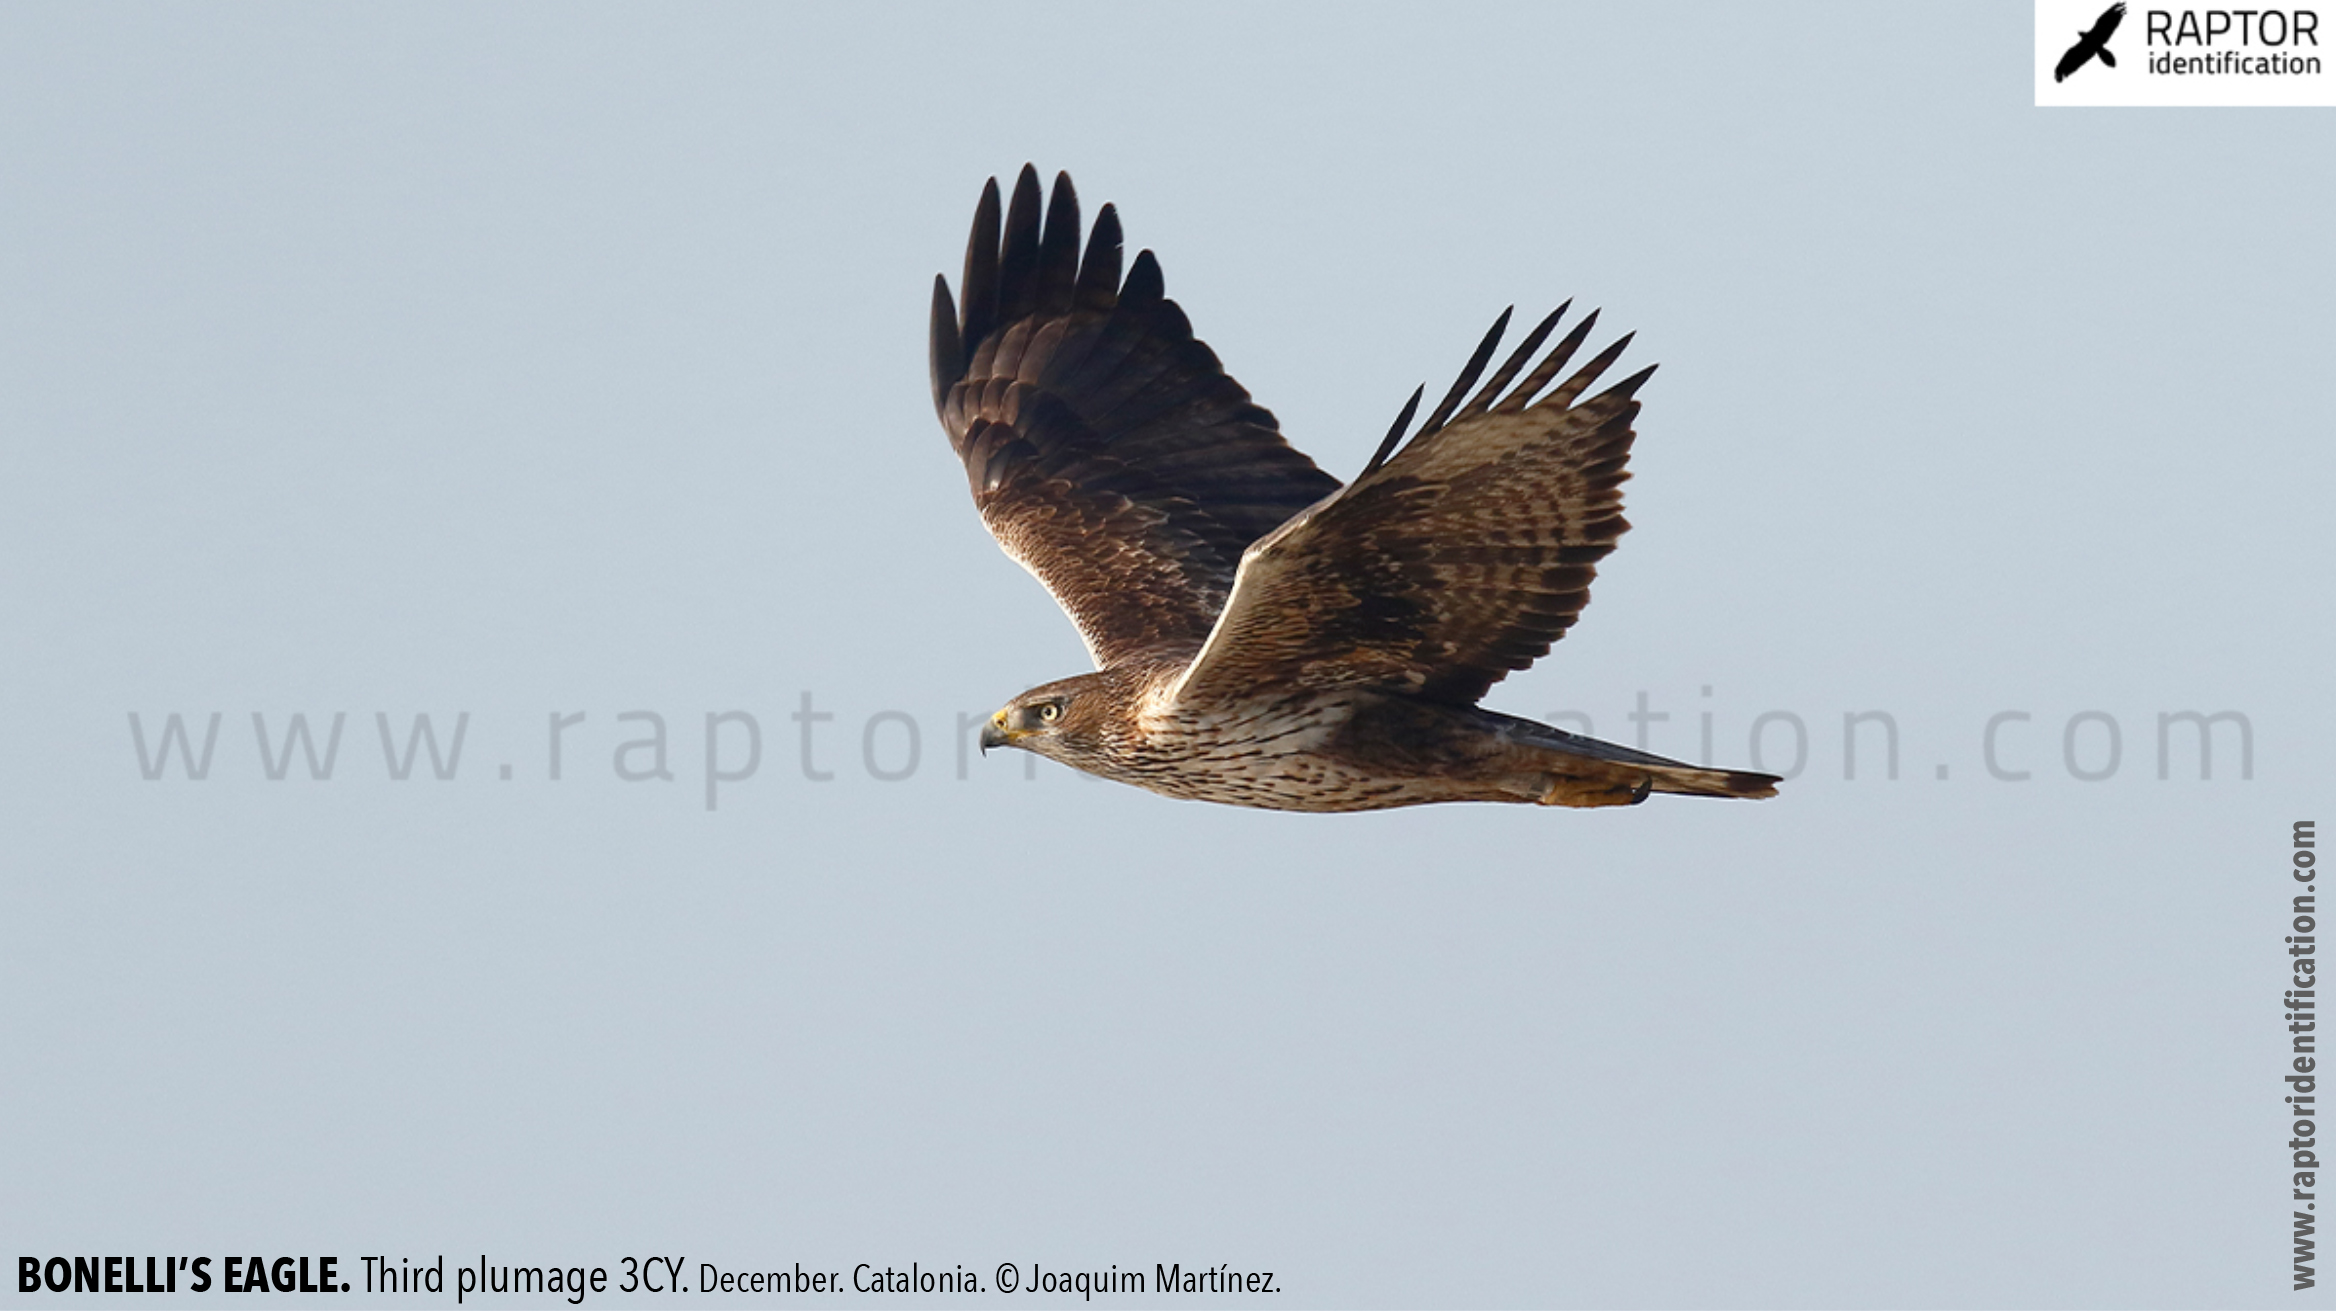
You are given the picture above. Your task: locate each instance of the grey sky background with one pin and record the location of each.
(520, 361)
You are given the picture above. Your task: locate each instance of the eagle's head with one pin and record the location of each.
(1075, 721)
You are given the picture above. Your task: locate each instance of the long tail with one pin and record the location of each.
(1591, 772)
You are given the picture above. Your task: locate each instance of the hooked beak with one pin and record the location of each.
(993, 735)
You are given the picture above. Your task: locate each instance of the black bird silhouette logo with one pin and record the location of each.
(2089, 44)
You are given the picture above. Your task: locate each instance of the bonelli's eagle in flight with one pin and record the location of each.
(1262, 635)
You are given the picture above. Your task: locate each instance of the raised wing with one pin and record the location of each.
(1107, 450)
(2106, 25)
(1463, 558)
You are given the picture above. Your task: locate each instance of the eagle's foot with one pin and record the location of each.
(1574, 792)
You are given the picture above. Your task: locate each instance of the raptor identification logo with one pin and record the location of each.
(2099, 53)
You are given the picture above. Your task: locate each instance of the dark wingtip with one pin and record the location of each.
(979, 287)
(1058, 249)
(1468, 375)
(1491, 391)
(1144, 284)
(1549, 366)
(1564, 393)
(1018, 256)
(1395, 433)
(948, 346)
(1098, 287)
(1629, 387)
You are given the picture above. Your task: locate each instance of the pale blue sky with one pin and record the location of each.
(531, 361)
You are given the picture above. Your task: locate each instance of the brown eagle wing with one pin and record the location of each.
(1461, 559)
(1106, 448)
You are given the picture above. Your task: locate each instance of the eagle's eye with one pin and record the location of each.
(1050, 712)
